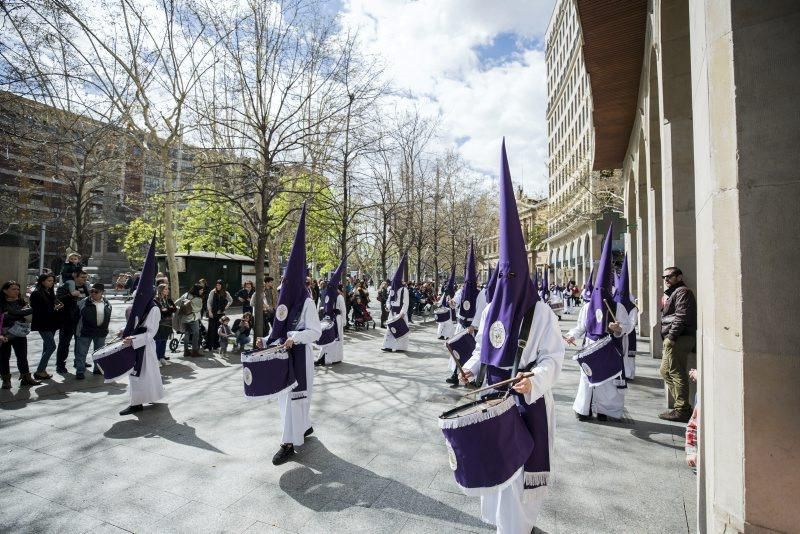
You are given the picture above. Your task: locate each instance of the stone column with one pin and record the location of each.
(654, 209)
(642, 243)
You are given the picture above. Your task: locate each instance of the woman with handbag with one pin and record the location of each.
(14, 334)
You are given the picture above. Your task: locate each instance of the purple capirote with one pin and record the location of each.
(266, 377)
(601, 361)
(486, 449)
(597, 316)
(469, 291)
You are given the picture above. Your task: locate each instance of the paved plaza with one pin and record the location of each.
(200, 461)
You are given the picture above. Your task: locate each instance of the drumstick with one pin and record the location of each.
(458, 363)
(609, 310)
(498, 384)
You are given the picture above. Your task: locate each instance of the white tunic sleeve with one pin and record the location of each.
(151, 327)
(545, 349)
(480, 304)
(405, 297)
(308, 327)
(340, 305)
(580, 327)
(474, 363)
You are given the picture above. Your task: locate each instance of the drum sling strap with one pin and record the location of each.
(524, 332)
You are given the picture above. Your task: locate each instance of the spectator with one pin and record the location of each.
(678, 329)
(190, 306)
(94, 314)
(315, 291)
(413, 297)
(268, 301)
(46, 320)
(241, 329)
(69, 294)
(71, 265)
(224, 333)
(691, 429)
(14, 334)
(383, 297)
(218, 302)
(168, 309)
(244, 296)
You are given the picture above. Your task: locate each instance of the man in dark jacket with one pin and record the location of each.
(69, 293)
(94, 314)
(678, 330)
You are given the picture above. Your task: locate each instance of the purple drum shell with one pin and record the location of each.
(462, 345)
(442, 314)
(115, 360)
(329, 335)
(486, 448)
(601, 361)
(266, 378)
(398, 327)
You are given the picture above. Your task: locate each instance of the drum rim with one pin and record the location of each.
(262, 355)
(104, 351)
(491, 396)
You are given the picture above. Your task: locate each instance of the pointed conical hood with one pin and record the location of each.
(586, 293)
(145, 291)
(449, 289)
(491, 284)
(623, 293)
(515, 293)
(469, 293)
(597, 318)
(332, 290)
(293, 292)
(545, 285)
(397, 279)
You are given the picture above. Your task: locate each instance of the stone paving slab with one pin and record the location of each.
(199, 461)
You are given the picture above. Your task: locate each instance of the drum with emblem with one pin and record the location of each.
(267, 372)
(329, 332)
(487, 443)
(115, 359)
(397, 326)
(442, 314)
(601, 361)
(461, 345)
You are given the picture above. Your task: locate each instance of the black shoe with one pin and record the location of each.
(308, 432)
(602, 417)
(132, 409)
(88, 365)
(97, 371)
(79, 376)
(284, 454)
(583, 418)
(441, 337)
(319, 362)
(452, 380)
(166, 358)
(386, 350)
(61, 370)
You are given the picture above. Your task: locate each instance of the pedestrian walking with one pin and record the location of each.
(46, 320)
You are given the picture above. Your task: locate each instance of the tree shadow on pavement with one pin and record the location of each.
(157, 421)
(344, 485)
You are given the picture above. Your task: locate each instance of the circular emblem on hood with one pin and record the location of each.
(586, 369)
(497, 334)
(466, 305)
(327, 298)
(248, 376)
(451, 456)
(598, 316)
(282, 312)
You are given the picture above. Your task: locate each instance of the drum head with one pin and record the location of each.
(475, 406)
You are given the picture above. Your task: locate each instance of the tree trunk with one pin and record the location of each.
(169, 225)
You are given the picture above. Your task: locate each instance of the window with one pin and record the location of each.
(111, 245)
(98, 244)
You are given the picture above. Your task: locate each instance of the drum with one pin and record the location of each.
(329, 332)
(115, 359)
(601, 361)
(267, 372)
(442, 314)
(461, 345)
(487, 443)
(397, 326)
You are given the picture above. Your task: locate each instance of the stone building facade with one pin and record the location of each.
(703, 118)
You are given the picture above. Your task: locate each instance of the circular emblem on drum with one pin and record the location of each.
(451, 456)
(327, 298)
(497, 334)
(586, 369)
(598, 316)
(393, 329)
(282, 312)
(466, 305)
(457, 355)
(248, 376)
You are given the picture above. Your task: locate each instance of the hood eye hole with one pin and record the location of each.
(512, 274)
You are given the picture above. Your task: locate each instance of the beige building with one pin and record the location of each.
(579, 196)
(533, 219)
(696, 101)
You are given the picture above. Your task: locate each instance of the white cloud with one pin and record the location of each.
(430, 48)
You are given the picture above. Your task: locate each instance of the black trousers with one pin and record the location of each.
(65, 334)
(212, 337)
(20, 346)
(384, 315)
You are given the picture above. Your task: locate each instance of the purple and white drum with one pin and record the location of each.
(267, 372)
(115, 359)
(442, 314)
(487, 443)
(329, 332)
(397, 326)
(461, 345)
(601, 361)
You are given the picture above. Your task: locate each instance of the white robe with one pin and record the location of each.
(295, 415)
(630, 360)
(606, 398)
(147, 387)
(389, 341)
(334, 352)
(514, 509)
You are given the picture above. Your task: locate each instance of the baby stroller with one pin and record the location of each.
(176, 339)
(362, 319)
